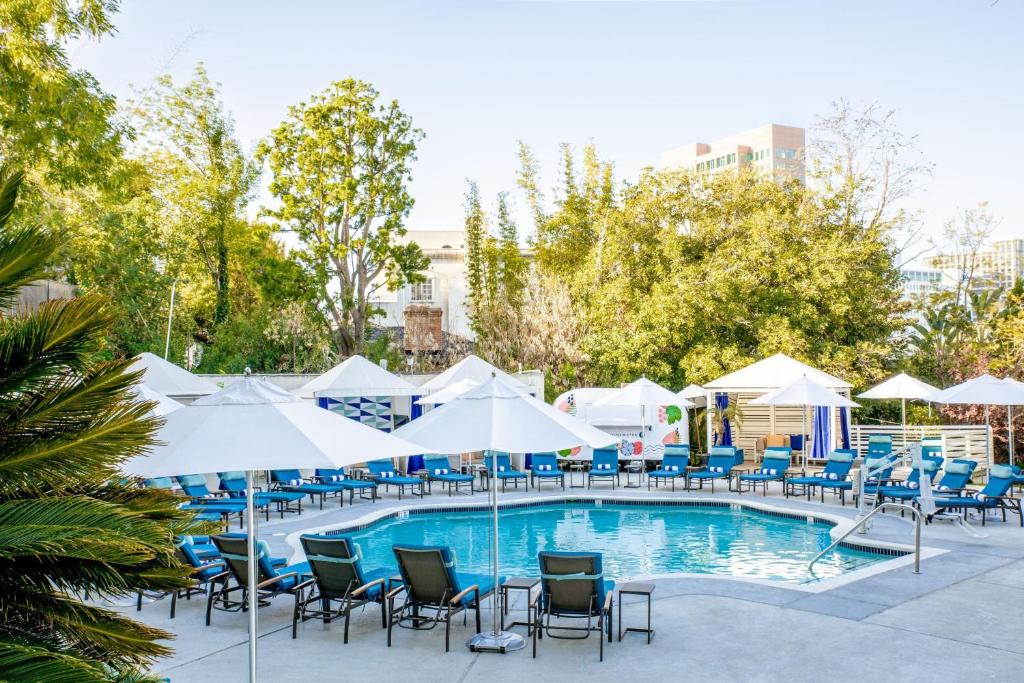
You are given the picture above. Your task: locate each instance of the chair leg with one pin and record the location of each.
(174, 601)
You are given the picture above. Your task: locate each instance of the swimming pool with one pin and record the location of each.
(636, 540)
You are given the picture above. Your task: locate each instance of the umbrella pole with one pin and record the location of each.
(1009, 419)
(804, 439)
(497, 640)
(251, 592)
(988, 446)
(903, 418)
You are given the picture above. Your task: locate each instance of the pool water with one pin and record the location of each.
(634, 540)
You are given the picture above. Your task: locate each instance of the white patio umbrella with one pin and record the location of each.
(693, 391)
(356, 376)
(497, 418)
(164, 404)
(643, 392)
(983, 390)
(474, 368)
(903, 387)
(253, 425)
(804, 393)
(169, 379)
(451, 391)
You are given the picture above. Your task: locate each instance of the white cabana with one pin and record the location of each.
(357, 376)
(498, 418)
(170, 380)
(804, 393)
(642, 393)
(473, 368)
(903, 387)
(164, 404)
(253, 425)
(453, 391)
(765, 375)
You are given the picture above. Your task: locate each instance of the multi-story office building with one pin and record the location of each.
(999, 266)
(919, 283)
(775, 150)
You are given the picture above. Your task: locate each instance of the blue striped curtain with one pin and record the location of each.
(722, 402)
(844, 426)
(822, 433)
(415, 461)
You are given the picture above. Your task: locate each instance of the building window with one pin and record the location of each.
(422, 292)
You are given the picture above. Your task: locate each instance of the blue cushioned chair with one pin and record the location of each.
(271, 581)
(1018, 476)
(544, 466)
(874, 482)
(672, 466)
(995, 496)
(604, 465)
(879, 445)
(721, 460)
(384, 473)
(773, 467)
(506, 473)
(204, 500)
(205, 562)
(910, 488)
(837, 469)
(292, 480)
(431, 584)
(339, 577)
(338, 477)
(440, 469)
(285, 501)
(573, 587)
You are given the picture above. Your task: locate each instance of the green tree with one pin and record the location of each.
(341, 166)
(68, 527)
(55, 121)
(203, 177)
(476, 233)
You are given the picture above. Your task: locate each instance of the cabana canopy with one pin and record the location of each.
(168, 379)
(474, 368)
(772, 373)
(357, 376)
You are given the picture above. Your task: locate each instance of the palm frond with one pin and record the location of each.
(26, 663)
(60, 623)
(24, 251)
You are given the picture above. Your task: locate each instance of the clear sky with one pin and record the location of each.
(635, 78)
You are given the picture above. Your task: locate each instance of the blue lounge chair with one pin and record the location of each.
(910, 488)
(338, 477)
(440, 469)
(384, 473)
(721, 461)
(1018, 476)
(573, 587)
(198, 553)
(604, 464)
(773, 467)
(204, 500)
(874, 482)
(506, 473)
(292, 480)
(544, 466)
(995, 496)
(271, 581)
(431, 584)
(672, 466)
(336, 564)
(879, 445)
(837, 469)
(234, 484)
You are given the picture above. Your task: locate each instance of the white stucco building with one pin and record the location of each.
(445, 289)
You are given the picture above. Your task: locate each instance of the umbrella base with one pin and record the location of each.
(500, 642)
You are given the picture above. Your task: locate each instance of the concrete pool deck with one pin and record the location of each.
(963, 616)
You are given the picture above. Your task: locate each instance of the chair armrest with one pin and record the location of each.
(465, 591)
(362, 589)
(305, 584)
(395, 591)
(218, 563)
(275, 579)
(607, 601)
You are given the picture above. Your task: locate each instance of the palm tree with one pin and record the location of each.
(71, 530)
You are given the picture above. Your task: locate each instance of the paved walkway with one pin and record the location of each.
(962, 618)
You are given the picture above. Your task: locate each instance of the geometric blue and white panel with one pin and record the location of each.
(372, 411)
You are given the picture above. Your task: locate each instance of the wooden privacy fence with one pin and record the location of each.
(967, 442)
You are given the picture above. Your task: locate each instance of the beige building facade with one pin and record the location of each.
(772, 149)
(999, 266)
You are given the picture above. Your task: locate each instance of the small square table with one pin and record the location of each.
(523, 584)
(642, 589)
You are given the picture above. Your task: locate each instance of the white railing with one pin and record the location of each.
(966, 442)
